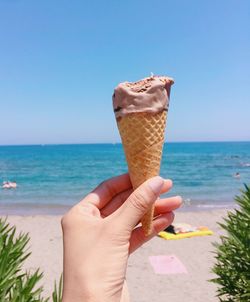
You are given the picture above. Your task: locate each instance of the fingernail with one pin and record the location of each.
(180, 198)
(156, 184)
(181, 201)
(169, 182)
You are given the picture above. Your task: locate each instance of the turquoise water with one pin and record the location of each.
(62, 174)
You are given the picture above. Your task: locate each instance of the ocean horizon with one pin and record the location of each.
(119, 142)
(52, 177)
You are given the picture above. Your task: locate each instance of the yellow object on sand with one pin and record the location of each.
(170, 236)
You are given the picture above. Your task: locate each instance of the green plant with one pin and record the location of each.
(233, 253)
(57, 293)
(16, 285)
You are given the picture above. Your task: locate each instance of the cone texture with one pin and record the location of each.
(142, 137)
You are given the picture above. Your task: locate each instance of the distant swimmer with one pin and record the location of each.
(13, 184)
(6, 185)
(9, 185)
(237, 175)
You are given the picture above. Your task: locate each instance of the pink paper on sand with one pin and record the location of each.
(165, 265)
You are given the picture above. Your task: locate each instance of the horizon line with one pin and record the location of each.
(120, 143)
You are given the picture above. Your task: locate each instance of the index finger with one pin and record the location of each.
(108, 189)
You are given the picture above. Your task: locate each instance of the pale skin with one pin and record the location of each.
(101, 231)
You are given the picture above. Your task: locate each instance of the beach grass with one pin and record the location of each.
(232, 265)
(16, 284)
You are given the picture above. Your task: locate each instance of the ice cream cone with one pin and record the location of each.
(142, 130)
(142, 137)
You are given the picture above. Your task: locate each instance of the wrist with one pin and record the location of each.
(79, 292)
(93, 297)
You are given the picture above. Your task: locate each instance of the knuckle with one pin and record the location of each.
(151, 193)
(108, 187)
(111, 189)
(139, 201)
(66, 220)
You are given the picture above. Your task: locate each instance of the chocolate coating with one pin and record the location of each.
(147, 95)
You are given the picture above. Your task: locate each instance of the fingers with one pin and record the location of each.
(167, 205)
(101, 195)
(131, 211)
(160, 223)
(166, 186)
(161, 205)
(120, 198)
(115, 203)
(164, 208)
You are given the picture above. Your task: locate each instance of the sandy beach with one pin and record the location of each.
(144, 285)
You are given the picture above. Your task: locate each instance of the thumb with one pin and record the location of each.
(131, 212)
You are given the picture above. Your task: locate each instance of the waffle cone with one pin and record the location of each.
(142, 137)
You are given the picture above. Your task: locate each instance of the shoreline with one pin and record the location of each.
(28, 209)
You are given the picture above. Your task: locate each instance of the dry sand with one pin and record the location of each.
(144, 285)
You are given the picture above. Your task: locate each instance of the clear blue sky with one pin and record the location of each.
(60, 60)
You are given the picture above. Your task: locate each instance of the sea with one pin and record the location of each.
(51, 178)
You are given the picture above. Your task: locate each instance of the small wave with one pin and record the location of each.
(210, 206)
(245, 164)
(187, 201)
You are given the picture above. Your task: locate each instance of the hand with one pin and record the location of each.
(101, 231)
